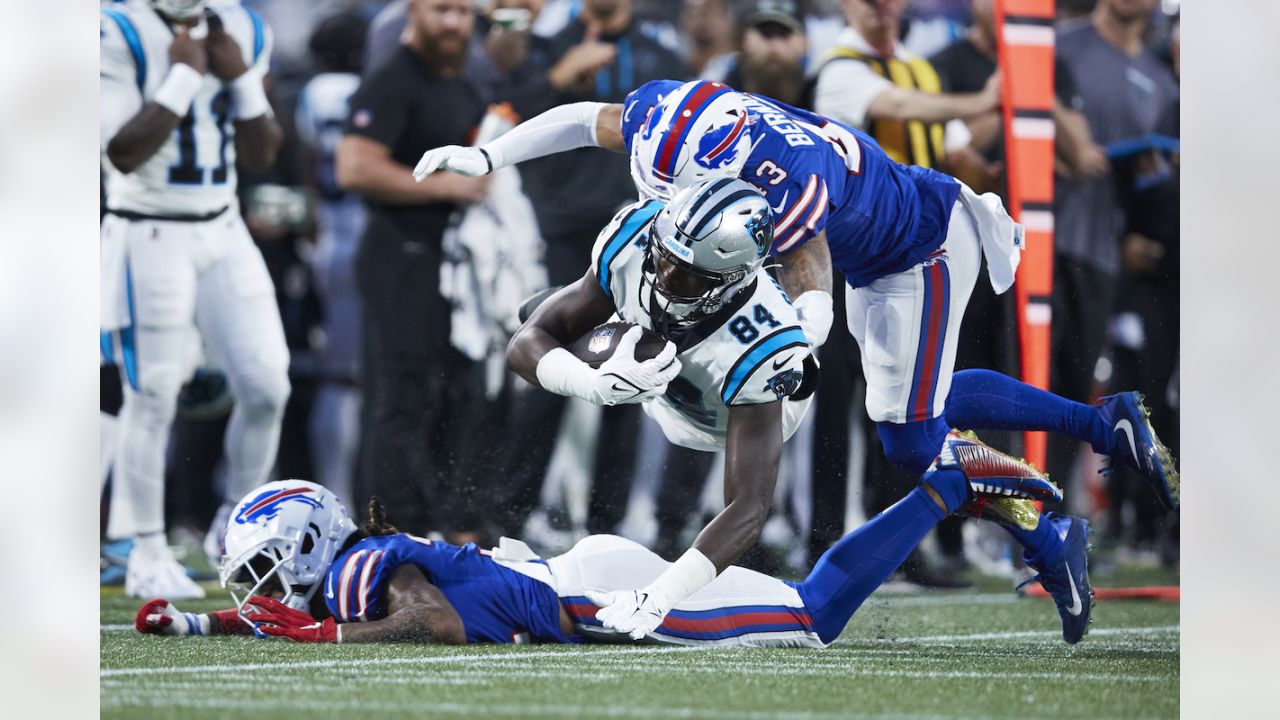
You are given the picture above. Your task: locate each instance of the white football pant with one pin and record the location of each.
(184, 278)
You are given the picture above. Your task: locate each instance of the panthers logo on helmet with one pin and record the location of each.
(761, 230)
(266, 505)
(718, 147)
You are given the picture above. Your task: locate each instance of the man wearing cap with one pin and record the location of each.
(772, 60)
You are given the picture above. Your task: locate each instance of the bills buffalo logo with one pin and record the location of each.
(600, 340)
(267, 505)
(719, 146)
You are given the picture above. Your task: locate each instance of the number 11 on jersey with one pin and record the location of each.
(188, 171)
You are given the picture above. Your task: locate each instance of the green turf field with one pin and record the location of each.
(955, 655)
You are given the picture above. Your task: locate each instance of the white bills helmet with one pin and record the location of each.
(705, 247)
(286, 532)
(700, 131)
(179, 9)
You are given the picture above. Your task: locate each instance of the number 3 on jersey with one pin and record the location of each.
(187, 171)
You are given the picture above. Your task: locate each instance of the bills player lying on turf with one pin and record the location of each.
(909, 241)
(736, 374)
(182, 102)
(288, 538)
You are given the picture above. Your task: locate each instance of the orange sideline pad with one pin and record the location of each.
(1171, 593)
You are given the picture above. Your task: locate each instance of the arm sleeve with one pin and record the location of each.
(378, 110)
(567, 127)
(356, 582)
(845, 90)
(770, 369)
(800, 208)
(120, 96)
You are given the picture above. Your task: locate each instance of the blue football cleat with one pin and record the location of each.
(1134, 442)
(1067, 577)
(991, 472)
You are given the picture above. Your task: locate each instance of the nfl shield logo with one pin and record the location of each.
(600, 340)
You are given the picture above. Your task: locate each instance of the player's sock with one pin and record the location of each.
(913, 445)
(1041, 545)
(861, 561)
(988, 400)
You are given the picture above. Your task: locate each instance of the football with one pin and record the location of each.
(599, 345)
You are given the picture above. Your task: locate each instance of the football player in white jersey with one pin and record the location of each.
(736, 372)
(182, 99)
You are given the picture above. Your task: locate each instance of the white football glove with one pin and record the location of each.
(623, 379)
(620, 380)
(468, 161)
(629, 612)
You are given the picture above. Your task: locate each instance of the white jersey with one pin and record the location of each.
(194, 172)
(323, 105)
(752, 351)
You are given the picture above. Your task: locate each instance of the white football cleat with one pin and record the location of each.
(155, 573)
(213, 540)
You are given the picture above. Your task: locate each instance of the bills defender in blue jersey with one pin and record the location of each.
(909, 241)
(300, 569)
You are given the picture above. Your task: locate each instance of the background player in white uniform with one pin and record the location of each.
(337, 46)
(692, 272)
(182, 98)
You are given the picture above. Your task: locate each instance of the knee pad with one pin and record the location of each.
(913, 445)
(261, 391)
(155, 402)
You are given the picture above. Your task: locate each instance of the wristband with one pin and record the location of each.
(685, 577)
(563, 374)
(249, 97)
(196, 624)
(178, 89)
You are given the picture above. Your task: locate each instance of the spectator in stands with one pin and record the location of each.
(1127, 91)
(1144, 332)
(419, 391)
(871, 82)
(337, 47)
(772, 59)
(707, 26)
(575, 195)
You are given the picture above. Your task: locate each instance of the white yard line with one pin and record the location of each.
(419, 708)
(336, 663)
(1158, 629)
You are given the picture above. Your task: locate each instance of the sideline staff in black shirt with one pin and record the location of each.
(417, 388)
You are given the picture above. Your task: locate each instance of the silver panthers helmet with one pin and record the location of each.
(705, 247)
(179, 9)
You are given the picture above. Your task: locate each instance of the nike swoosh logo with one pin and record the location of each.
(328, 589)
(1126, 427)
(781, 205)
(779, 363)
(1076, 605)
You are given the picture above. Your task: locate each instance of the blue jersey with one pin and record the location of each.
(497, 604)
(880, 217)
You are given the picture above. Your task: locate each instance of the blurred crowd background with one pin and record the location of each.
(397, 310)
